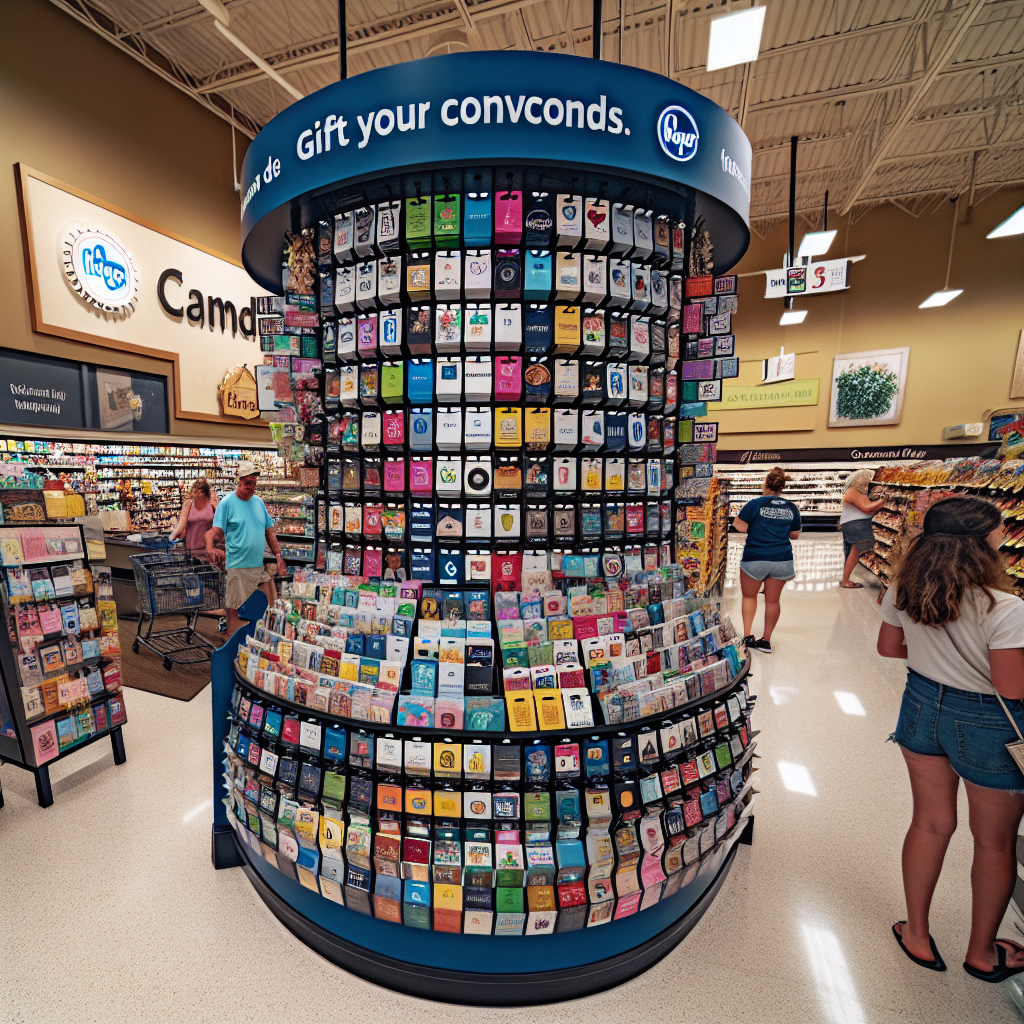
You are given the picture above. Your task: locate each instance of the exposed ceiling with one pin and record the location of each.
(903, 101)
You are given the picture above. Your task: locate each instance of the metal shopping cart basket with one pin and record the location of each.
(175, 583)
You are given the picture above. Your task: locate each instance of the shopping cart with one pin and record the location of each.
(175, 583)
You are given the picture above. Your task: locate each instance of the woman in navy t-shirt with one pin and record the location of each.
(771, 523)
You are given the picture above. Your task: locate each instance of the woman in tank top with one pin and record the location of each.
(196, 519)
(855, 522)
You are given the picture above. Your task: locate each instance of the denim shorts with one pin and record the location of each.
(858, 533)
(773, 570)
(967, 727)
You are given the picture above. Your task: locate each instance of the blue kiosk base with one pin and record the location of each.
(578, 962)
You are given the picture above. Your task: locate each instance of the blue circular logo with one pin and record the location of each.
(678, 134)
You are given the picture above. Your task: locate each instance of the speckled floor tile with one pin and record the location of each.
(112, 887)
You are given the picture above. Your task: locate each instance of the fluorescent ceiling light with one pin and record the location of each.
(793, 316)
(816, 243)
(796, 778)
(941, 298)
(849, 703)
(735, 38)
(1013, 225)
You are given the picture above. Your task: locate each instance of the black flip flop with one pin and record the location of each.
(938, 964)
(998, 973)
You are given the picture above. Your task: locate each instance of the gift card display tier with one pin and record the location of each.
(684, 709)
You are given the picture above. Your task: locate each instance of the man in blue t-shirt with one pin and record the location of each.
(771, 523)
(243, 524)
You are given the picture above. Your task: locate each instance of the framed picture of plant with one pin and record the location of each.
(867, 388)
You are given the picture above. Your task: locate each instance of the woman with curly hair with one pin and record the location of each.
(855, 522)
(949, 612)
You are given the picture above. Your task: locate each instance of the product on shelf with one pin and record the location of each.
(143, 487)
(910, 490)
(816, 488)
(454, 823)
(702, 537)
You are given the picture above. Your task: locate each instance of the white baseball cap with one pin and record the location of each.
(247, 468)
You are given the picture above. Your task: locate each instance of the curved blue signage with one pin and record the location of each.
(492, 107)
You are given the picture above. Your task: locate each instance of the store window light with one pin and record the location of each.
(1013, 225)
(941, 298)
(735, 38)
(793, 316)
(816, 243)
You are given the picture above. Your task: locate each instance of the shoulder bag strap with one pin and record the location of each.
(1002, 703)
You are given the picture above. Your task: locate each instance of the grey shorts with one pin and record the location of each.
(242, 583)
(769, 570)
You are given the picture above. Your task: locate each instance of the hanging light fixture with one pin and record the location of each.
(945, 294)
(1013, 225)
(735, 38)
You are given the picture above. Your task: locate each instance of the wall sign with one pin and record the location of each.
(100, 276)
(238, 393)
(778, 368)
(757, 396)
(40, 391)
(814, 279)
(907, 453)
(494, 108)
(100, 270)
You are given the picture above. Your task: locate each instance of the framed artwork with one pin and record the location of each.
(867, 388)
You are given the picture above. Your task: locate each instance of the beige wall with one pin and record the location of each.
(77, 108)
(961, 355)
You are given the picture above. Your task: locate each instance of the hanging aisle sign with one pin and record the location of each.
(492, 108)
(814, 279)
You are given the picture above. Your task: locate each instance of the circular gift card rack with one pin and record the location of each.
(498, 258)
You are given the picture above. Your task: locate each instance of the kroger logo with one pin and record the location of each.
(100, 270)
(677, 133)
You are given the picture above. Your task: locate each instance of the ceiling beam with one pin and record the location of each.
(856, 91)
(889, 135)
(242, 74)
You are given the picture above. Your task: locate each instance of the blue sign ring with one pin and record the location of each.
(589, 126)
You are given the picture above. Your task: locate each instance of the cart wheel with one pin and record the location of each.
(135, 647)
(168, 664)
(222, 625)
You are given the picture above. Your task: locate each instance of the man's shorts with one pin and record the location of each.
(242, 583)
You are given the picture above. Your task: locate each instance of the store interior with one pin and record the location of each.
(491, 743)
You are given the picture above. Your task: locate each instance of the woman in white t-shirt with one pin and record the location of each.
(949, 612)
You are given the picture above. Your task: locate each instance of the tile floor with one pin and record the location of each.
(110, 909)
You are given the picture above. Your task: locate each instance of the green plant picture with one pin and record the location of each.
(867, 388)
(866, 392)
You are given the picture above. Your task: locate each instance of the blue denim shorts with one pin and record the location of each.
(968, 728)
(775, 570)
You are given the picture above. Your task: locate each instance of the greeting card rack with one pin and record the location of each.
(59, 657)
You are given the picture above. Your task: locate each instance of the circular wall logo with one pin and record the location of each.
(677, 133)
(100, 270)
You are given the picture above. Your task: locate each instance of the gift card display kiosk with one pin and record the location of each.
(512, 295)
